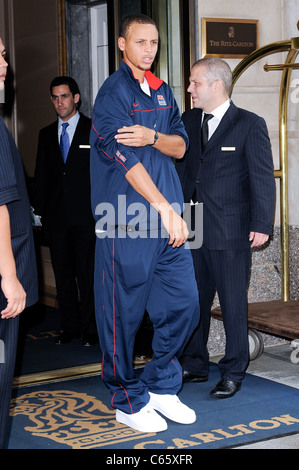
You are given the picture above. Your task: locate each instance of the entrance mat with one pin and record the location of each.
(76, 414)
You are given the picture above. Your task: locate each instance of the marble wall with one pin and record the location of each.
(78, 53)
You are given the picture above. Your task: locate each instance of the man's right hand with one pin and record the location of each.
(15, 295)
(174, 224)
(176, 227)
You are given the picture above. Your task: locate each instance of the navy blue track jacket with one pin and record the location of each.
(121, 102)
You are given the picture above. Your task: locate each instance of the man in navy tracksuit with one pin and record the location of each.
(141, 257)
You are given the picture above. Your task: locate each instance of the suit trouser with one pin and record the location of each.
(72, 256)
(226, 271)
(131, 276)
(9, 340)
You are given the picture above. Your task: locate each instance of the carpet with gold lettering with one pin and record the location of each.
(76, 414)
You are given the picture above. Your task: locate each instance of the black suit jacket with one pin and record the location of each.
(62, 190)
(233, 177)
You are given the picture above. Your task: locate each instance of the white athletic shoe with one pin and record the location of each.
(146, 420)
(171, 407)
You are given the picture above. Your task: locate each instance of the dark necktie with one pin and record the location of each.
(64, 141)
(205, 130)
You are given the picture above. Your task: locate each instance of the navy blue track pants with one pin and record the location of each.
(133, 275)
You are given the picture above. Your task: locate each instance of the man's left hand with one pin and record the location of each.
(258, 239)
(135, 136)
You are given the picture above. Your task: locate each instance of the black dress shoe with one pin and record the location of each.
(225, 389)
(65, 337)
(188, 377)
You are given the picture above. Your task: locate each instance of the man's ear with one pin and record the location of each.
(121, 43)
(77, 98)
(218, 86)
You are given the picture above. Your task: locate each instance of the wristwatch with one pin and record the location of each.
(155, 138)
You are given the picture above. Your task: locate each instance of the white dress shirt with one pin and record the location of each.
(218, 114)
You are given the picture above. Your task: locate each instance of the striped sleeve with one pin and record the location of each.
(8, 184)
(110, 114)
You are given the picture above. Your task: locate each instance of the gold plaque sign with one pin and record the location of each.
(231, 38)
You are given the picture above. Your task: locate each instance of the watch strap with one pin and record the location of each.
(155, 138)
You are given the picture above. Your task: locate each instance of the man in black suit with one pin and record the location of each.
(230, 170)
(18, 273)
(62, 200)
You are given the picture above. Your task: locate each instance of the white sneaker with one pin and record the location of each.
(146, 420)
(171, 407)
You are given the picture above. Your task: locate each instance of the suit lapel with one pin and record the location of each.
(193, 126)
(53, 142)
(194, 129)
(226, 122)
(76, 140)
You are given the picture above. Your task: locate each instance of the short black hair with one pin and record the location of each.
(70, 82)
(135, 18)
(65, 80)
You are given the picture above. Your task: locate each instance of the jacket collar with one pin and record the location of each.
(153, 81)
(226, 122)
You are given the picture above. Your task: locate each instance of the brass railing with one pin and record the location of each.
(292, 46)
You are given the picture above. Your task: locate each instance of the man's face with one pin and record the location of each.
(140, 47)
(3, 65)
(64, 102)
(202, 92)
